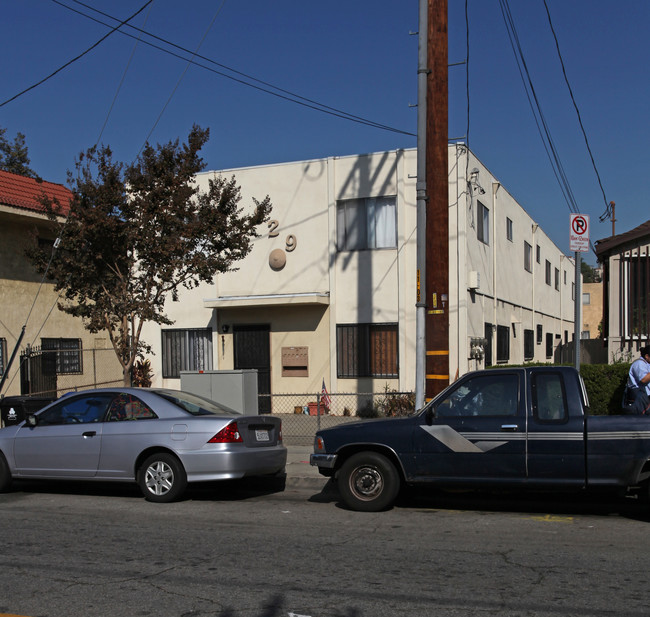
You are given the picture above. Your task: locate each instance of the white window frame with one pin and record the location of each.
(367, 223)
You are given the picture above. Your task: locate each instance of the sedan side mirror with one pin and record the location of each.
(430, 414)
(31, 420)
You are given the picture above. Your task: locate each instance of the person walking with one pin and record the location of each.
(638, 383)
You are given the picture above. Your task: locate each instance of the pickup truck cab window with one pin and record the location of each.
(484, 395)
(549, 398)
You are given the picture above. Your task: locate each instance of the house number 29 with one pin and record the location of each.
(290, 243)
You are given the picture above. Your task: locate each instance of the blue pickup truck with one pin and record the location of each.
(500, 428)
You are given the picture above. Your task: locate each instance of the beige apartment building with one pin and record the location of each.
(65, 354)
(328, 292)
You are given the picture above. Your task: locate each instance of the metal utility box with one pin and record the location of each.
(234, 389)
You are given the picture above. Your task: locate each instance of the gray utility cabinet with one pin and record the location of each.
(234, 389)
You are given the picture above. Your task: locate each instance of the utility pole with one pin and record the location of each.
(436, 295)
(421, 188)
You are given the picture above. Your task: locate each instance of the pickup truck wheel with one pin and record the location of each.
(368, 482)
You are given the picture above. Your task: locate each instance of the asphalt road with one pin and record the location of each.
(243, 550)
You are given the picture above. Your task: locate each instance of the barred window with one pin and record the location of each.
(62, 356)
(529, 345)
(503, 344)
(367, 350)
(186, 350)
(549, 344)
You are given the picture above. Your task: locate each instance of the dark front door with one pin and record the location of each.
(253, 351)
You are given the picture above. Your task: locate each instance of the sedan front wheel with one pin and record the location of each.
(162, 478)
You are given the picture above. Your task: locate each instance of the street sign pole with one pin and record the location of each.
(578, 242)
(576, 316)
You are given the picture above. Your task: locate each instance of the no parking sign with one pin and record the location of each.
(579, 233)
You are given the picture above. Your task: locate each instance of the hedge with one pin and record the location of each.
(604, 384)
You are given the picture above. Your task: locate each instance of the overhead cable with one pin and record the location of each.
(180, 79)
(236, 76)
(81, 55)
(542, 126)
(607, 213)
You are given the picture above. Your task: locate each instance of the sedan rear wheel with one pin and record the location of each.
(162, 478)
(368, 482)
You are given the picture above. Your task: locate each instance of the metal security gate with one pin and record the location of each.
(37, 371)
(252, 350)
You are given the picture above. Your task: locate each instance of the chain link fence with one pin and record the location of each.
(52, 373)
(304, 414)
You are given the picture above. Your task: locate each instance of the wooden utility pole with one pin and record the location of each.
(437, 209)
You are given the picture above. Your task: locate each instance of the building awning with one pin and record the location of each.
(302, 299)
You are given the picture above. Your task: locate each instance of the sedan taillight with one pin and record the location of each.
(228, 434)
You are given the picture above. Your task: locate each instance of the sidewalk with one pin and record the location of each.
(300, 474)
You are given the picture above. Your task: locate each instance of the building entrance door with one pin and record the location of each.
(252, 348)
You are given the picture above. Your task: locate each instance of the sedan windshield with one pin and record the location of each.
(196, 405)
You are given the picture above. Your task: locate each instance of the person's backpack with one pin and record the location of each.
(635, 401)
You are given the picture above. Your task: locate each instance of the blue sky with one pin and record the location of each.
(358, 57)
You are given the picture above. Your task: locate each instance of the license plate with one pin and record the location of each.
(261, 435)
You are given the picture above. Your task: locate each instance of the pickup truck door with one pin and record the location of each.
(477, 431)
(556, 430)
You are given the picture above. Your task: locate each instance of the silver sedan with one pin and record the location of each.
(161, 439)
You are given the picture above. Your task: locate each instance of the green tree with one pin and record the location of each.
(14, 156)
(589, 274)
(138, 233)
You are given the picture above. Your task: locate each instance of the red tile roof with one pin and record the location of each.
(21, 192)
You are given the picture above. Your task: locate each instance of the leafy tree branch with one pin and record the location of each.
(136, 234)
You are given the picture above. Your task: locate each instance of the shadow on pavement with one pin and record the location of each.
(225, 490)
(534, 503)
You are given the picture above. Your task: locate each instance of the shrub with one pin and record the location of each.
(605, 384)
(392, 403)
(141, 374)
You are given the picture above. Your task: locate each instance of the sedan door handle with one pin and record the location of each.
(509, 427)
(89, 434)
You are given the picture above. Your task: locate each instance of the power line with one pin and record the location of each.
(180, 79)
(542, 126)
(237, 76)
(81, 55)
(119, 87)
(607, 213)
